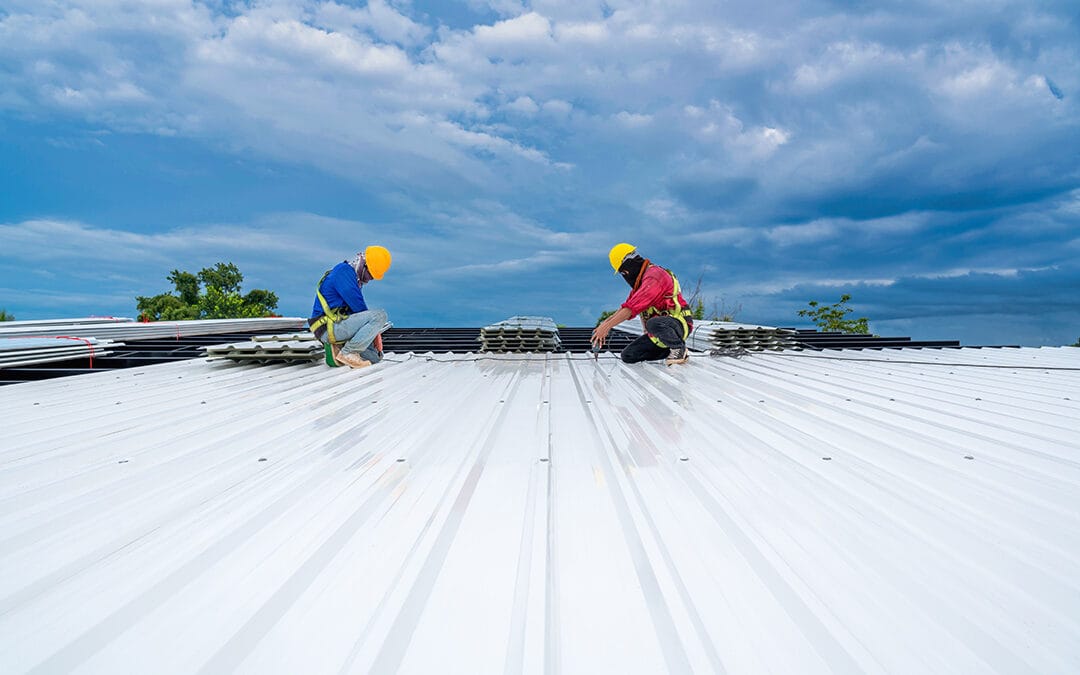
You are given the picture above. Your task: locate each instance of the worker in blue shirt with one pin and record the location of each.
(349, 330)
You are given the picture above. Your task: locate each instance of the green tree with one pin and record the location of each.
(213, 293)
(4, 316)
(699, 309)
(603, 315)
(834, 317)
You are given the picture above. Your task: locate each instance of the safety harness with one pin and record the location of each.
(330, 316)
(677, 311)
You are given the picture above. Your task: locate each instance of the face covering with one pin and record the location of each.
(630, 270)
(357, 263)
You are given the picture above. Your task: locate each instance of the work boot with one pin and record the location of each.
(678, 355)
(351, 360)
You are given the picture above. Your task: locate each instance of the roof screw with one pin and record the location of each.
(123, 461)
(36, 403)
(544, 459)
(968, 457)
(847, 399)
(400, 459)
(262, 459)
(684, 459)
(827, 459)
(202, 402)
(416, 401)
(978, 399)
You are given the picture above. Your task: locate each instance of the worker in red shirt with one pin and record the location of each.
(655, 296)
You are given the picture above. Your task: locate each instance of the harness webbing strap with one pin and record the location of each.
(329, 315)
(677, 311)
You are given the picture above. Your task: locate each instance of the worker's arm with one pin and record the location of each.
(600, 333)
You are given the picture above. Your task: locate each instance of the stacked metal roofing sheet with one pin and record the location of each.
(136, 330)
(727, 336)
(814, 512)
(29, 351)
(521, 334)
(77, 321)
(270, 349)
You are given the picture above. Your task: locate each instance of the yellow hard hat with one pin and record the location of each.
(618, 252)
(377, 260)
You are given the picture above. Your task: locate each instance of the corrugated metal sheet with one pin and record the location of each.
(899, 511)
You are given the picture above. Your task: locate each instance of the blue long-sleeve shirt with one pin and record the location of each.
(341, 289)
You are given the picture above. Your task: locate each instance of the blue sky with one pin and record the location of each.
(921, 156)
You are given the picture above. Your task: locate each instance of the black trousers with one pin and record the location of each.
(666, 328)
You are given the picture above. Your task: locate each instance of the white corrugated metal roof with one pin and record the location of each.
(895, 511)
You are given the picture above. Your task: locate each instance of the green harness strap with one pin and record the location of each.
(329, 315)
(677, 312)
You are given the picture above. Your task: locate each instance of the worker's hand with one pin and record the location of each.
(378, 343)
(599, 335)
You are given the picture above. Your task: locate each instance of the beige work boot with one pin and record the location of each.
(678, 355)
(351, 360)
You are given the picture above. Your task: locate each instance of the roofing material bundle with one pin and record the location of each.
(136, 330)
(80, 321)
(270, 349)
(728, 335)
(521, 334)
(32, 351)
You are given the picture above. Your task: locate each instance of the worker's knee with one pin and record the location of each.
(378, 315)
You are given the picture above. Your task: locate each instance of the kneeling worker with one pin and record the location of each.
(341, 319)
(656, 296)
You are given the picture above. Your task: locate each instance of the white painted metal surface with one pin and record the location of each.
(137, 330)
(902, 511)
(28, 351)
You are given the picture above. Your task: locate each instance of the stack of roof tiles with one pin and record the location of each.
(270, 349)
(727, 336)
(521, 334)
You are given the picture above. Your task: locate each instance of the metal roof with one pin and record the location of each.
(869, 511)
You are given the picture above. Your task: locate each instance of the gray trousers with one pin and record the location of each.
(358, 331)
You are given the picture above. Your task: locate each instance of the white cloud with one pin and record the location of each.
(523, 105)
(632, 120)
(514, 34)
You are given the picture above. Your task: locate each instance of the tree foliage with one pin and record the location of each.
(4, 316)
(213, 293)
(834, 317)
